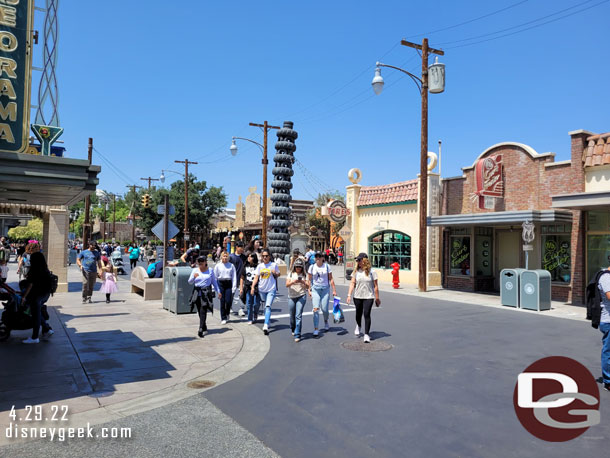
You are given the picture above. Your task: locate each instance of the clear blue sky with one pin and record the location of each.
(156, 81)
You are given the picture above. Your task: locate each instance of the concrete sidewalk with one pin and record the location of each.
(108, 361)
(558, 309)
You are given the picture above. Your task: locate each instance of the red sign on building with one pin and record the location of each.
(489, 182)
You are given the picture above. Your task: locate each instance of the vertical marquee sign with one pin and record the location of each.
(16, 21)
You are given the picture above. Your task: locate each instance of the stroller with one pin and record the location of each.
(14, 315)
(117, 262)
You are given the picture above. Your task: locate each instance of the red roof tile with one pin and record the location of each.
(388, 194)
(597, 151)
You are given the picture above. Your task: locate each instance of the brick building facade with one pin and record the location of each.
(482, 213)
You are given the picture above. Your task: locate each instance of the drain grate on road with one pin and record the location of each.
(200, 384)
(359, 345)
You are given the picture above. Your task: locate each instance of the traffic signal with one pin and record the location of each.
(146, 200)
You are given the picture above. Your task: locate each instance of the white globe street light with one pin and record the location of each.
(162, 177)
(377, 80)
(233, 147)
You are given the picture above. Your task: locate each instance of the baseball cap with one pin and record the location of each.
(319, 254)
(362, 256)
(299, 263)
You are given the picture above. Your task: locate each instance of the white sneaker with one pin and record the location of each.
(223, 322)
(357, 331)
(367, 339)
(241, 313)
(266, 329)
(315, 332)
(326, 326)
(29, 340)
(49, 333)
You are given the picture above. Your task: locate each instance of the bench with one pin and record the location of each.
(150, 288)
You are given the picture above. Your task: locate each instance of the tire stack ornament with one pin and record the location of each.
(279, 236)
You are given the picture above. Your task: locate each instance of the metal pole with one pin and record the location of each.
(87, 223)
(104, 229)
(165, 230)
(265, 162)
(114, 216)
(186, 202)
(423, 172)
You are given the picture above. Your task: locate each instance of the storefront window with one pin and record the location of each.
(598, 221)
(459, 252)
(483, 252)
(598, 241)
(387, 247)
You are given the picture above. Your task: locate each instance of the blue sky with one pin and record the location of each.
(156, 81)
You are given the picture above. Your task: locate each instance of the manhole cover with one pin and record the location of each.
(199, 384)
(359, 345)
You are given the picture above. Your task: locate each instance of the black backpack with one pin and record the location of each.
(54, 281)
(593, 299)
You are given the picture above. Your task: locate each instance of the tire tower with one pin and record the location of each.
(279, 236)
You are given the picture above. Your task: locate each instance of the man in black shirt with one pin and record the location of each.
(238, 259)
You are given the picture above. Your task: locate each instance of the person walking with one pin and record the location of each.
(134, 255)
(253, 301)
(89, 261)
(238, 259)
(204, 280)
(366, 291)
(226, 276)
(36, 292)
(109, 282)
(604, 326)
(297, 285)
(320, 282)
(150, 252)
(265, 278)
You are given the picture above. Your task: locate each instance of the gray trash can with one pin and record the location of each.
(72, 257)
(176, 289)
(509, 286)
(536, 290)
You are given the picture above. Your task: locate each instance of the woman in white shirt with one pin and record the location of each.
(203, 294)
(366, 290)
(265, 278)
(297, 285)
(320, 282)
(227, 282)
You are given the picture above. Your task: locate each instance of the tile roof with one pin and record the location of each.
(388, 194)
(597, 151)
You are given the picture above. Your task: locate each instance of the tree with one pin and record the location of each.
(33, 231)
(322, 223)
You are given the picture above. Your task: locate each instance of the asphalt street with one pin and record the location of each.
(445, 388)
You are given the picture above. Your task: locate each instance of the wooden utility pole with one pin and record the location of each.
(165, 230)
(266, 126)
(114, 217)
(149, 179)
(87, 223)
(423, 165)
(185, 232)
(133, 188)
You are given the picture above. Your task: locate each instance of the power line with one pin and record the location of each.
(118, 172)
(468, 21)
(524, 24)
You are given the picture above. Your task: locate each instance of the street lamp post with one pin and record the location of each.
(422, 85)
(265, 126)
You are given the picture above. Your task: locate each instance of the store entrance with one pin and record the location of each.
(508, 249)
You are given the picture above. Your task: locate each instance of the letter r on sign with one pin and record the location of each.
(525, 382)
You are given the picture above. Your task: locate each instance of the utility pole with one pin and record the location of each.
(423, 165)
(165, 229)
(149, 179)
(186, 163)
(87, 223)
(133, 188)
(114, 216)
(104, 229)
(266, 126)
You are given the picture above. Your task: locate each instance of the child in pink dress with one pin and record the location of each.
(109, 284)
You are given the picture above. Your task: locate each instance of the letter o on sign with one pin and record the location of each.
(8, 41)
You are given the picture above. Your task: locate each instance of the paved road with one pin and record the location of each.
(445, 389)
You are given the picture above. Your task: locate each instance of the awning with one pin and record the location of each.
(45, 180)
(501, 218)
(582, 200)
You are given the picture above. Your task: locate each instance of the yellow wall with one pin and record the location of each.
(403, 218)
(597, 178)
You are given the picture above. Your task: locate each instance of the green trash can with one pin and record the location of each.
(509, 287)
(536, 290)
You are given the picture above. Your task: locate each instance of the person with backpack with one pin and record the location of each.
(238, 259)
(320, 282)
(600, 316)
(253, 301)
(134, 255)
(38, 288)
(310, 256)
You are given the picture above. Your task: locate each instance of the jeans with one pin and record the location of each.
(226, 289)
(296, 314)
(253, 304)
(267, 299)
(320, 298)
(89, 279)
(36, 310)
(605, 329)
(363, 305)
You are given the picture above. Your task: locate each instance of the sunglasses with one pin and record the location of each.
(266, 256)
